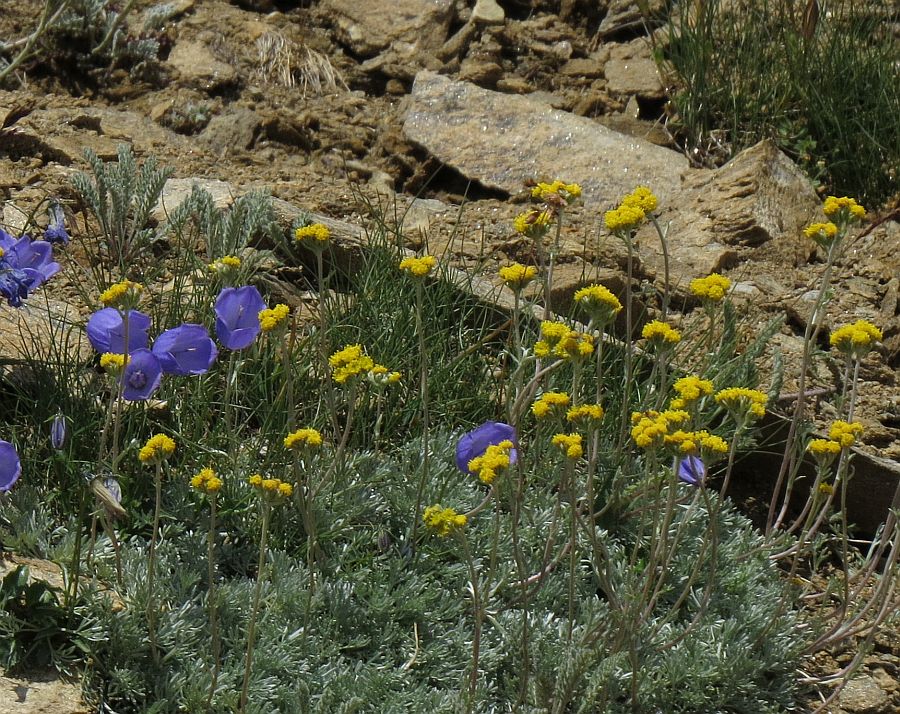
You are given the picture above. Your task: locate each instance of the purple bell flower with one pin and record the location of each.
(237, 316)
(106, 331)
(692, 470)
(24, 265)
(56, 230)
(141, 376)
(475, 443)
(59, 432)
(184, 350)
(10, 466)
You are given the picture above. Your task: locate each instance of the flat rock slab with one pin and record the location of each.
(502, 140)
(374, 25)
(42, 694)
(42, 329)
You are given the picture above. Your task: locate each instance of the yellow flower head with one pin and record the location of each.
(857, 339)
(206, 482)
(824, 451)
(599, 303)
(275, 318)
(123, 295)
(158, 448)
(845, 433)
(589, 415)
(113, 363)
(823, 234)
(660, 335)
(843, 209)
(349, 362)
(517, 276)
(495, 459)
(743, 403)
(443, 521)
(418, 267)
(303, 438)
(569, 444)
(532, 224)
(547, 402)
(826, 489)
(623, 219)
(712, 288)
(690, 389)
(555, 191)
(642, 198)
(273, 490)
(380, 376)
(225, 264)
(559, 341)
(314, 236)
(650, 429)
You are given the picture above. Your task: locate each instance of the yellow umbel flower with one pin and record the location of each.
(824, 234)
(158, 448)
(843, 209)
(380, 376)
(443, 521)
(857, 339)
(589, 415)
(532, 224)
(690, 389)
(546, 403)
(124, 294)
(599, 303)
(113, 363)
(225, 264)
(495, 459)
(418, 267)
(691, 443)
(206, 482)
(845, 433)
(650, 428)
(568, 192)
(824, 451)
(303, 438)
(558, 340)
(712, 288)
(314, 236)
(642, 198)
(349, 362)
(743, 403)
(826, 489)
(659, 334)
(623, 219)
(569, 444)
(517, 276)
(273, 490)
(272, 319)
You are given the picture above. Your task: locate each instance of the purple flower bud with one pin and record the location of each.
(56, 230)
(106, 331)
(692, 470)
(59, 432)
(184, 350)
(475, 443)
(237, 316)
(142, 375)
(10, 466)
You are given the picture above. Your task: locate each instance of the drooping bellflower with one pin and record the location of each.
(24, 265)
(474, 443)
(237, 316)
(106, 331)
(10, 466)
(187, 349)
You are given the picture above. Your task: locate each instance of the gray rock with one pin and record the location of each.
(41, 694)
(176, 190)
(627, 14)
(41, 328)
(369, 27)
(631, 70)
(488, 12)
(236, 130)
(862, 695)
(199, 68)
(501, 140)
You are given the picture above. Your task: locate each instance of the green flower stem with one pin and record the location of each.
(629, 347)
(664, 243)
(423, 395)
(254, 610)
(211, 600)
(478, 617)
(152, 608)
(324, 346)
(548, 278)
(732, 451)
(573, 541)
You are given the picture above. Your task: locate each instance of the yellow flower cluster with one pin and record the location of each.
(558, 340)
(349, 362)
(649, 429)
(315, 235)
(206, 482)
(824, 450)
(112, 362)
(598, 302)
(623, 218)
(587, 414)
(380, 376)
(496, 458)
(845, 433)
(273, 318)
(743, 403)
(224, 264)
(690, 389)
(822, 233)
(532, 224)
(443, 521)
(643, 198)
(301, 438)
(843, 208)
(659, 334)
(123, 294)
(690, 443)
(545, 403)
(517, 276)
(158, 448)
(568, 192)
(856, 339)
(418, 267)
(272, 488)
(712, 288)
(569, 444)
